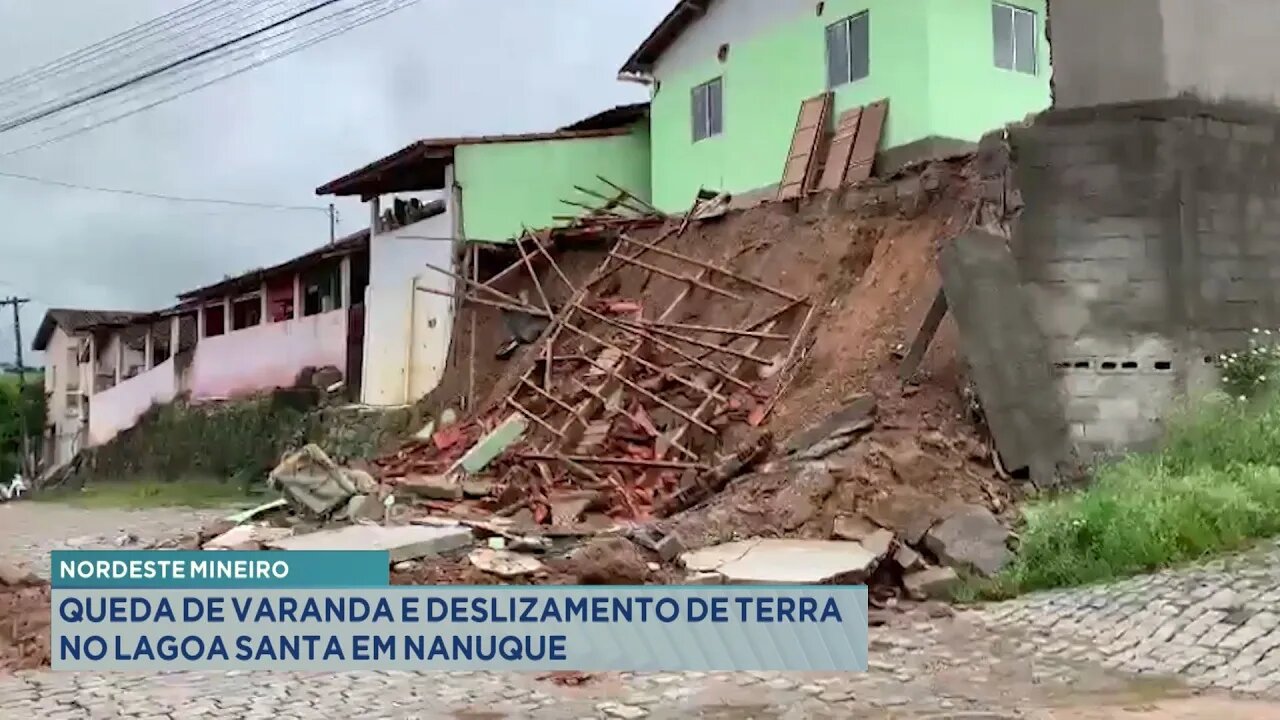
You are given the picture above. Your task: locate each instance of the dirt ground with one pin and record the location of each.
(24, 628)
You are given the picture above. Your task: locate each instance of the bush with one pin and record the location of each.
(1214, 487)
(1249, 374)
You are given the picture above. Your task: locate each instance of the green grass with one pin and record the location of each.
(1214, 487)
(142, 494)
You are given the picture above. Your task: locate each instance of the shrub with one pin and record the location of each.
(1248, 374)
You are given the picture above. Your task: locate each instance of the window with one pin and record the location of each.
(1014, 30)
(849, 50)
(708, 108)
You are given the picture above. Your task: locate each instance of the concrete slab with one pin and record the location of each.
(710, 559)
(1007, 354)
(788, 562)
(247, 537)
(251, 513)
(492, 445)
(405, 542)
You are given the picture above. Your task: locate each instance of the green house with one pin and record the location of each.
(727, 80)
(498, 185)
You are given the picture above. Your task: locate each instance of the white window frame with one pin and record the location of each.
(708, 117)
(1018, 50)
(848, 49)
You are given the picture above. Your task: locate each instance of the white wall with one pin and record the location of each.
(407, 333)
(61, 373)
(118, 409)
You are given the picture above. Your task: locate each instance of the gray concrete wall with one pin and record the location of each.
(1106, 51)
(1222, 49)
(1149, 242)
(1099, 54)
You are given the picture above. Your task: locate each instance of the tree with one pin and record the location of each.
(19, 406)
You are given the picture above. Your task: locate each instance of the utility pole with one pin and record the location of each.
(16, 303)
(333, 225)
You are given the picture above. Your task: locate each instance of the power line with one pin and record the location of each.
(161, 196)
(110, 54)
(192, 71)
(60, 64)
(115, 87)
(390, 7)
(198, 35)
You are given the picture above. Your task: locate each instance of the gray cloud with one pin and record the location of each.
(441, 67)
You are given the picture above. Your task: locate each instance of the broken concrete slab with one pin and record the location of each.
(368, 508)
(852, 527)
(426, 432)
(879, 543)
(1007, 354)
(908, 512)
(836, 432)
(491, 446)
(787, 562)
(936, 583)
(907, 559)
(432, 487)
(567, 507)
(256, 512)
(669, 547)
(404, 542)
(315, 484)
(970, 539)
(247, 537)
(504, 563)
(708, 578)
(477, 487)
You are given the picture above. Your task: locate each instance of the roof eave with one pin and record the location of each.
(660, 39)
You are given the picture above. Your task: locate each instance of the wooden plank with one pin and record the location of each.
(798, 172)
(841, 150)
(928, 328)
(867, 142)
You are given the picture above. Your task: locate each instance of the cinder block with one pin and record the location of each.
(1119, 408)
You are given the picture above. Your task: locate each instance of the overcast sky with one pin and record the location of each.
(441, 67)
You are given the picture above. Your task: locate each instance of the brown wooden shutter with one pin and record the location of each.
(799, 173)
(867, 142)
(841, 150)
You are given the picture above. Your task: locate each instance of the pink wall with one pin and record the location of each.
(267, 356)
(118, 408)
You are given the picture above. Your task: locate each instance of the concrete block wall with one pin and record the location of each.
(1149, 241)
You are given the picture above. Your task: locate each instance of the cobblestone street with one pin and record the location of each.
(1134, 650)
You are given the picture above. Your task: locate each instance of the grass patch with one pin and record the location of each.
(143, 494)
(1214, 487)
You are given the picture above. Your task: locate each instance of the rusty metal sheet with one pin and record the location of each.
(799, 173)
(841, 150)
(868, 142)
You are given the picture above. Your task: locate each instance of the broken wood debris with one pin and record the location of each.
(607, 400)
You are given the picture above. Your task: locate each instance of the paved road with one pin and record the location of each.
(1129, 651)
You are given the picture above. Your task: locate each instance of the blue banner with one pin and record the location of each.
(492, 628)
(196, 569)
(335, 611)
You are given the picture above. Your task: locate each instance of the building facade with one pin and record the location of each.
(65, 337)
(492, 189)
(727, 80)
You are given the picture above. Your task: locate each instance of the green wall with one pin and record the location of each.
(968, 94)
(509, 185)
(933, 59)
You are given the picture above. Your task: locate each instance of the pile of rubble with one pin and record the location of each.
(631, 438)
